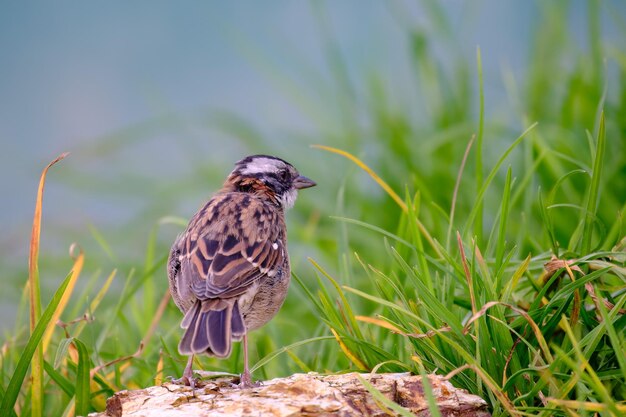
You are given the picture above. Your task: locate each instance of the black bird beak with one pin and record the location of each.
(303, 182)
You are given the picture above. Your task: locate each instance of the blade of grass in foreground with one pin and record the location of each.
(479, 197)
(268, 358)
(478, 226)
(617, 339)
(594, 189)
(501, 239)
(455, 193)
(35, 295)
(59, 379)
(93, 306)
(351, 321)
(19, 374)
(74, 273)
(82, 379)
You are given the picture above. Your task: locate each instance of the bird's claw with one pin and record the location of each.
(184, 380)
(245, 381)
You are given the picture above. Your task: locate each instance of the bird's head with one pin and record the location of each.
(268, 176)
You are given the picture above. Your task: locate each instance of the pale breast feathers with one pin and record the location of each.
(224, 254)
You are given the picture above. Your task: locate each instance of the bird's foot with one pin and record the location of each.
(245, 381)
(188, 381)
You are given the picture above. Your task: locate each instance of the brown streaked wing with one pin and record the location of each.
(228, 251)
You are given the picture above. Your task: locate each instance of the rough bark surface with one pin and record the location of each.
(298, 395)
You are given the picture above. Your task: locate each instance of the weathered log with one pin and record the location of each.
(298, 395)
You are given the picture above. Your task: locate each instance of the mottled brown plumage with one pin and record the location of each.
(229, 271)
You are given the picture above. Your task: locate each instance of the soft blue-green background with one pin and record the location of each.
(139, 92)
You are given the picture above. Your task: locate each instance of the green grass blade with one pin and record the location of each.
(265, 360)
(515, 278)
(375, 229)
(480, 195)
(428, 393)
(594, 189)
(59, 379)
(478, 224)
(62, 351)
(95, 303)
(617, 229)
(504, 219)
(455, 193)
(348, 309)
(82, 379)
(413, 215)
(19, 374)
(585, 370)
(2, 393)
(618, 340)
(306, 290)
(102, 242)
(431, 302)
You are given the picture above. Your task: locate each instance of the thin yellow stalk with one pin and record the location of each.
(35, 295)
(371, 173)
(380, 323)
(385, 187)
(574, 405)
(349, 353)
(75, 272)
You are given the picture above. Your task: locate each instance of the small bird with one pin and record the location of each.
(229, 270)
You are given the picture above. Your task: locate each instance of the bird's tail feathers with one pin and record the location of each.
(211, 326)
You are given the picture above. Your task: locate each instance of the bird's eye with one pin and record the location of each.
(283, 175)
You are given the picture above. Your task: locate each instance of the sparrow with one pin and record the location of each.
(229, 270)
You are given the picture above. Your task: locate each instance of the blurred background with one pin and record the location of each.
(156, 101)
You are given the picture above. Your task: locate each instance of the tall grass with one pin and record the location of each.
(455, 241)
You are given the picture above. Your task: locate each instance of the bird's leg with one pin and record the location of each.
(246, 378)
(187, 378)
(188, 373)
